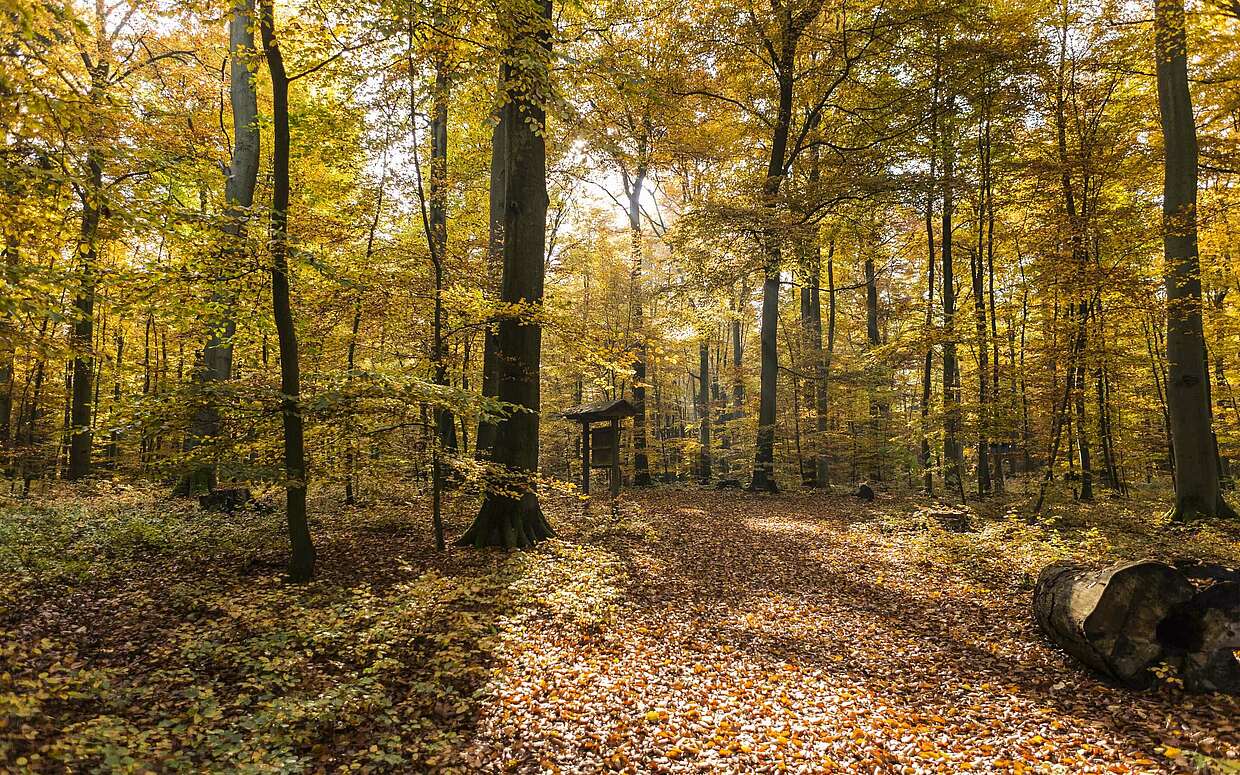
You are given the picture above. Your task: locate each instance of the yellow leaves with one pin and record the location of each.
(673, 753)
(1171, 752)
(655, 716)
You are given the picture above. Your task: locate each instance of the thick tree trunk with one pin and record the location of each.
(1197, 488)
(764, 452)
(242, 175)
(80, 408)
(511, 515)
(301, 557)
(485, 437)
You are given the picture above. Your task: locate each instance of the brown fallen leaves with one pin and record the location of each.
(688, 631)
(759, 634)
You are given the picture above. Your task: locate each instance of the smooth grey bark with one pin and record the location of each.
(216, 364)
(634, 188)
(485, 437)
(1197, 486)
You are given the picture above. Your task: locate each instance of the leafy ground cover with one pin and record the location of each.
(685, 630)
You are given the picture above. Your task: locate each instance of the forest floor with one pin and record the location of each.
(686, 630)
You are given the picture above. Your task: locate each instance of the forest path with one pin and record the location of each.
(747, 633)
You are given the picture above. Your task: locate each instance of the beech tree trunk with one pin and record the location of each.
(485, 437)
(511, 515)
(641, 464)
(242, 175)
(1197, 487)
(301, 557)
(704, 472)
(953, 476)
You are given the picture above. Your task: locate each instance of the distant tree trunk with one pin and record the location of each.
(114, 444)
(979, 307)
(511, 515)
(641, 465)
(1197, 488)
(823, 473)
(927, 465)
(350, 453)
(738, 349)
(301, 558)
(6, 355)
(954, 474)
(704, 471)
(242, 176)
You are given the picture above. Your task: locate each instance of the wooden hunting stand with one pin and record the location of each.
(600, 447)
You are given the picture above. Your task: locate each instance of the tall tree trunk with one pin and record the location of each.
(879, 409)
(301, 557)
(978, 266)
(444, 422)
(1197, 488)
(242, 175)
(80, 408)
(954, 474)
(927, 466)
(704, 472)
(763, 478)
(7, 351)
(485, 437)
(641, 465)
(511, 515)
(823, 462)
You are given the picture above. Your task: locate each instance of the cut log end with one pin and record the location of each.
(1124, 620)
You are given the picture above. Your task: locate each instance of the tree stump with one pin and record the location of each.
(226, 500)
(1124, 620)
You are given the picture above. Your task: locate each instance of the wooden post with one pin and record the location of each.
(585, 458)
(615, 458)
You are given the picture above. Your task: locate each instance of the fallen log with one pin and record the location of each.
(1124, 620)
(1108, 619)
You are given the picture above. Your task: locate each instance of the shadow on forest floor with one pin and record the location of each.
(689, 630)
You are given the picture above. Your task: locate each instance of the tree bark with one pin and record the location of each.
(954, 475)
(242, 175)
(302, 555)
(704, 472)
(1197, 487)
(511, 515)
(641, 464)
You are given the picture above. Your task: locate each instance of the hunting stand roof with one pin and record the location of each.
(601, 410)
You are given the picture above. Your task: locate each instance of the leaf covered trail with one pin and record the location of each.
(753, 633)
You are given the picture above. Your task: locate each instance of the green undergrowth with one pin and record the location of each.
(106, 665)
(1006, 542)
